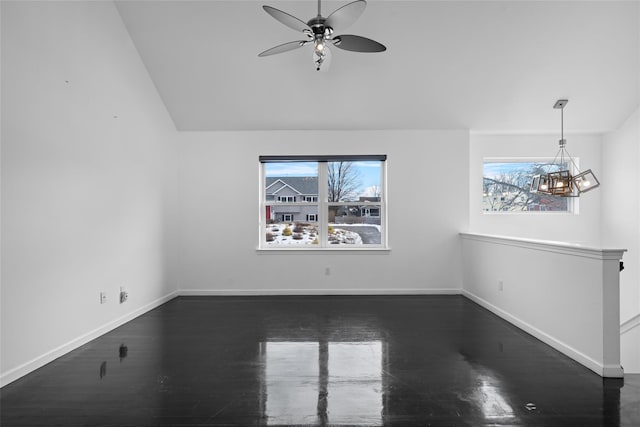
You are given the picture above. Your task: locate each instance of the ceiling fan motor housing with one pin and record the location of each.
(319, 29)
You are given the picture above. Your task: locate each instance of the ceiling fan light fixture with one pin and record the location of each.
(319, 30)
(322, 59)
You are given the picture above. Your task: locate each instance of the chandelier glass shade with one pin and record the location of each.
(564, 179)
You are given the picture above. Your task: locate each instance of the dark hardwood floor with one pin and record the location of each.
(392, 361)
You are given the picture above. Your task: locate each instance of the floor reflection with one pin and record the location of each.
(486, 396)
(291, 382)
(493, 405)
(323, 383)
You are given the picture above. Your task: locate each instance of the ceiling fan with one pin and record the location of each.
(319, 31)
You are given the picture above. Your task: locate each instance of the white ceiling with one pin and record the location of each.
(486, 66)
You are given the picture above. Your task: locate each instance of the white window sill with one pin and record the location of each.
(376, 250)
(551, 213)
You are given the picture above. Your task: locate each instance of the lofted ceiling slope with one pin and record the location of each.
(494, 66)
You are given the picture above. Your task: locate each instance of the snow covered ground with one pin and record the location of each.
(307, 234)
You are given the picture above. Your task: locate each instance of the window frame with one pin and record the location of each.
(323, 204)
(573, 203)
(287, 199)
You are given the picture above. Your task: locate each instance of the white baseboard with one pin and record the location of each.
(327, 292)
(30, 366)
(611, 371)
(583, 359)
(630, 324)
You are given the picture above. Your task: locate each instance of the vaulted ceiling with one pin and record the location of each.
(494, 66)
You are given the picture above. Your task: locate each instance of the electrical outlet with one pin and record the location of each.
(124, 295)
(327, 271)
(103, 297)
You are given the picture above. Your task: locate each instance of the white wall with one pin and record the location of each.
(83, 198)
(621, 206)
(630, 350)
(428, 205)
(583, 228)
(621, 221)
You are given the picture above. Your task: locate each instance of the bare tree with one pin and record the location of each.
(343, 184)
(511, 192)
(507, 192)
(344, 181)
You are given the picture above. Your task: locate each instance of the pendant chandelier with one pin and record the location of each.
(565, 179)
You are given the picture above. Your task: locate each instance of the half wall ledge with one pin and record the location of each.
(565, 294)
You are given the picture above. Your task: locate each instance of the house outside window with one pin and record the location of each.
(367, 211)
(326, 202)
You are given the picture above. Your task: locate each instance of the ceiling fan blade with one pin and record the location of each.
(357, 44)
(288, 20)
(285, 47)
(346, 15)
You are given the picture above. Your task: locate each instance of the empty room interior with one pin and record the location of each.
(320, 213)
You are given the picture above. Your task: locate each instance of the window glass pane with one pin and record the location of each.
(290, 182)
(291, 190)
(354, 181)
(506, 187)
(354, 224)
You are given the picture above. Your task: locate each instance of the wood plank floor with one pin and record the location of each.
(392, 361)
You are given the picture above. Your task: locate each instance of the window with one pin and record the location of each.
(289, 199)
(367, 211)
(327, 202)
(506, 185)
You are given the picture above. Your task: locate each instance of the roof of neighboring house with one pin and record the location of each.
(369, 199)
(302, 184)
